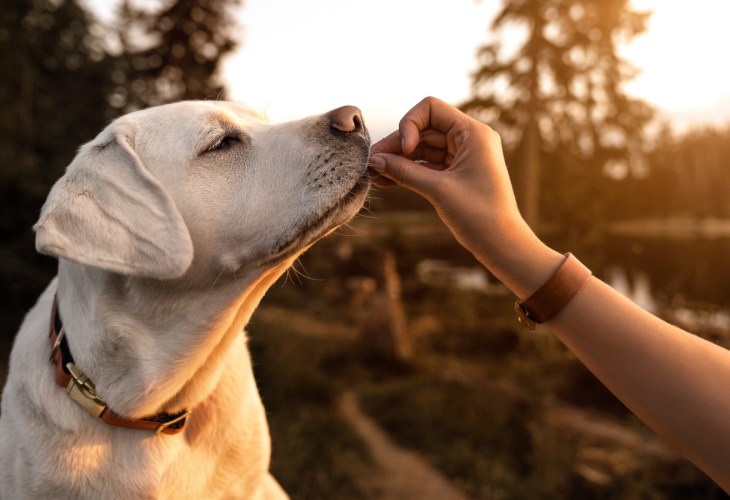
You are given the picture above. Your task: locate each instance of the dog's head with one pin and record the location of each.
(206, 181)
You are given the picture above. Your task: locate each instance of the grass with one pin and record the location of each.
(446, 423)
(476, 402)
(315, 455)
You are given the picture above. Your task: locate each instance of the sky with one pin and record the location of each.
(302, 57)
(681, 56)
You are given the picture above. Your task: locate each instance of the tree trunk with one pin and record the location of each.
(384, 333)
(530, 196)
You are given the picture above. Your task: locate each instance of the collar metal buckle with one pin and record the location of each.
(82, 390)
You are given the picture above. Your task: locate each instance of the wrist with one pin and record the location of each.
(554, 294)
(518, 258)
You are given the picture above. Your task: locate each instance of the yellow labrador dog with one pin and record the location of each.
(130, 377)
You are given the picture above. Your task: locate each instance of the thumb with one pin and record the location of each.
(404, 172)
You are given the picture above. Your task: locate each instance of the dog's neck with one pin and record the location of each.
(152, 346)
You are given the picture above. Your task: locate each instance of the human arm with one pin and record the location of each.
(673, 380)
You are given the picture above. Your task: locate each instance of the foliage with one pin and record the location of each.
(53, 97)
(558, 99)
(174, 53)
(685, 176)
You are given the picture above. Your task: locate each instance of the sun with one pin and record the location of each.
(681, 56)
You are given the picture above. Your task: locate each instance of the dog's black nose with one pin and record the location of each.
(347, 119)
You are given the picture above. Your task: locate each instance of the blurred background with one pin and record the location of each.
(389, 361)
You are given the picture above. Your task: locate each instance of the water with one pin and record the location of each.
(686, 281)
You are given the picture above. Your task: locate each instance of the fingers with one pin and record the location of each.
(404, 172)
(432, 146)
(379, 180)
(389, 144)
(430, 113)
(392, 143)
(436, 156)
(424, 156)
(427, 140)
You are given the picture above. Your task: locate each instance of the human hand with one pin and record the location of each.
(457, 164)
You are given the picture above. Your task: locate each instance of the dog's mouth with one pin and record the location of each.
(341, 210)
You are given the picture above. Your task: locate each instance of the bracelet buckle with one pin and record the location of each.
(523, 316)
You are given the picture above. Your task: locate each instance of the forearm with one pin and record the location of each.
(675, 381)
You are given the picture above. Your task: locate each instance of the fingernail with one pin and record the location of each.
(377, 162)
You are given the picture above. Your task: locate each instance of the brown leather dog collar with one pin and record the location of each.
(82, 390)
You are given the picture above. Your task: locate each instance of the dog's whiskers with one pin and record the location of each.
(235, 279)
(354, 230)
(293, 271)
(215, 281)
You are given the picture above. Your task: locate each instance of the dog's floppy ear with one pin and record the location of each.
(108, 211)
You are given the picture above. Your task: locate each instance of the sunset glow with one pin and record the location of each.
(300, 58)
(682, 59)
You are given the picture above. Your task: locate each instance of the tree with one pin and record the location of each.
(55, 84)
(53, 97)
(557, 99)
(384, 334)
(173, 53)
(689, 174)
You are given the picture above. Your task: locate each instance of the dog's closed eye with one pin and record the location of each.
(224, 143)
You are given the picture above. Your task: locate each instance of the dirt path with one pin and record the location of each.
(404, 475)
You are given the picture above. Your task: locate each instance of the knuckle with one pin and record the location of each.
(492, 136)
(399, 175)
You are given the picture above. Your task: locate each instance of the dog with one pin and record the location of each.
(130, 377)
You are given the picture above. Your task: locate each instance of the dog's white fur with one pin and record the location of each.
(167, 239)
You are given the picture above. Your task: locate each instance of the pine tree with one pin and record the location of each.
(53, 97)
(53, 91)
(557, 100)
(173, 53)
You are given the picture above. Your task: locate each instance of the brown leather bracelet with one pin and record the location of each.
(554, 294)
